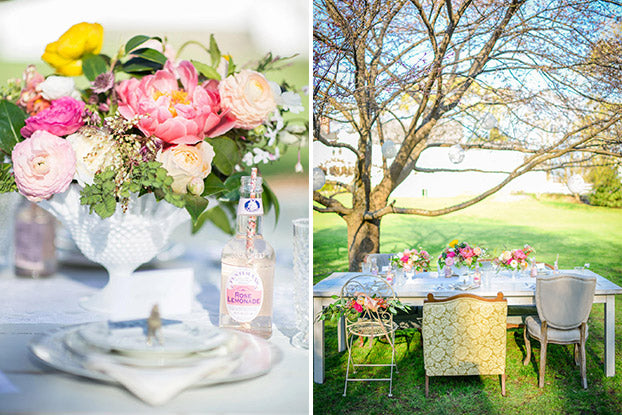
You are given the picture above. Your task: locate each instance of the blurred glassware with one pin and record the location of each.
(8, 206)
(301, 282)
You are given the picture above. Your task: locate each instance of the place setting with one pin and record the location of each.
(155, 358)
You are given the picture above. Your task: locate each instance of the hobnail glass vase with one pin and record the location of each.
(120, 243)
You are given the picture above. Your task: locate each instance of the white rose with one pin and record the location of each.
(249, 97)
(186, 164)
(55, 87)
(94, 152)
(514, 264)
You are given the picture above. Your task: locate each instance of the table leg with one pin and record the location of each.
(341, 335)
(610, 335)
(318, 344)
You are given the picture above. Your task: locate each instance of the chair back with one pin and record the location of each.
(464, 335)
(382, 260)
(368, 289)
(564, 301)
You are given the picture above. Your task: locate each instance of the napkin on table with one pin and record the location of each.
(157, 386)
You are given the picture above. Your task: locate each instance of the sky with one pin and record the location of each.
(280, 26)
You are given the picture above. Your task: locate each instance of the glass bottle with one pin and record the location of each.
(247, 272)
(35, 252)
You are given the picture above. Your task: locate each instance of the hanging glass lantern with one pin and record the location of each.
(319, 178)
(389, 149)
(456, 154)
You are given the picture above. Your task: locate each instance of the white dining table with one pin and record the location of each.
(517, 290)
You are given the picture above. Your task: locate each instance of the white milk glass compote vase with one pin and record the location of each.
(120, 243)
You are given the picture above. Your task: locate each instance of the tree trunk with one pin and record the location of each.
(363, 239)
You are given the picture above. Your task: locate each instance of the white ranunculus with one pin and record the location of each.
(55, 87)
(95, 151)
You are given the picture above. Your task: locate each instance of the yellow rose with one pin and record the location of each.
(65, 55)
(453, 243)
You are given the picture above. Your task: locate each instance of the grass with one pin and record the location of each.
(578, 233)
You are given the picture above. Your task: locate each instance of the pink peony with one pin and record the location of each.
(64, 117)
(44, 164)
(518, 254)
(174, 115)
(249, 97)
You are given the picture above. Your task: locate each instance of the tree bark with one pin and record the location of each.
(363, 238)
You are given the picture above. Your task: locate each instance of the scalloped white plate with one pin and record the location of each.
(129, 338)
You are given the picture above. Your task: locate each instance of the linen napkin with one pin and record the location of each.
(157, 386)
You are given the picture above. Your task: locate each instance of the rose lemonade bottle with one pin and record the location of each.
(247, 271)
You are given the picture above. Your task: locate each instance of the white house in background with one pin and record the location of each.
(444, 184)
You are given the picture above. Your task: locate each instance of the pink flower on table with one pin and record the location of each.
(30, 97)
(449, 261)
(357, 307)
(63, 117)
(451, 254)
(405, 258)
(44, 164)
(249, 97)
(175, 115)
(518, 254)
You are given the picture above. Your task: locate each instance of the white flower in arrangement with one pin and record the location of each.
(292, 134)
(514, 264)
(55, 87)
(94, 152)
(260, 156)
(288, 100)
(188, 166)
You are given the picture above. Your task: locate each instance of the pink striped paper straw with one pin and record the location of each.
(251, 226)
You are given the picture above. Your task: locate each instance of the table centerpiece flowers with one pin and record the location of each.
(151, 141)
(459, 256)
(514, 260)
(411, 260)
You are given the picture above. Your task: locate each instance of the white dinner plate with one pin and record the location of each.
(77, 345)
(256, 358)
(130, 338)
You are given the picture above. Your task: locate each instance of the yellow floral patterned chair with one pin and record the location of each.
(464, 335)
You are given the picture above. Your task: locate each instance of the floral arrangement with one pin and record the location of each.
(514, 259)
(460, 254)
(360, 305)
(411, 259)
(146, 123)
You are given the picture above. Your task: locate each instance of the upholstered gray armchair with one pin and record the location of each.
(564, 303)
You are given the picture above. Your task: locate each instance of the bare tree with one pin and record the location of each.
(544, 68)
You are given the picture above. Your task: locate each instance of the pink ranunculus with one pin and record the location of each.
(44, 164)
(175, 115)
(63, 117)
(405, 258)
(449, 261)
(451, 254)
(249, 97)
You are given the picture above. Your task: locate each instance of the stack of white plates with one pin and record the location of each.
(181, 344)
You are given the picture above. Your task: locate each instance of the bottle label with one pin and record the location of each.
(250, 206)
(244, 291)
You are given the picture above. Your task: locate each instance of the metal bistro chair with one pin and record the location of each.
(371, 323)
(564, 303)
(464, 335)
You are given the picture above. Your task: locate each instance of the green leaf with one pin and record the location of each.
(214, 52)
(93, 65)
(12, 119)
(218, 217)
(140, 65)
(206, 70)
(150, 55)
(195, 205)
(212, 185)
(226, 154)
(135, 41)
(7, 181)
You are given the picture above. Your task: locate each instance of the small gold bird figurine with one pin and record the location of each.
(154, 326)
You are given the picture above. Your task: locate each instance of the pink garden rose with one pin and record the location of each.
(63, 117)
(44, 164)
(174, 115)
(249, 97)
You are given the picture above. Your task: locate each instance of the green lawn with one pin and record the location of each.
(578, 233)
